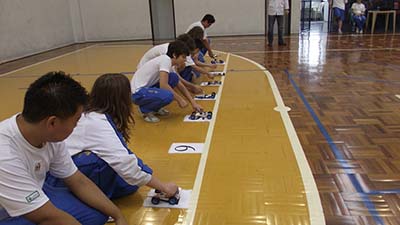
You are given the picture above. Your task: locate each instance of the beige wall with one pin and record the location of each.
(233, 17)
(116, 19)
(27, 27)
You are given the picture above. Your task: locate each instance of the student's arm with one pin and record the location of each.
(90, 194)
(48, 214)
(185, 92)
(164, 85)
(201, 64)
(192, 87)
(203, 71)
(208, 47)
(287, 6)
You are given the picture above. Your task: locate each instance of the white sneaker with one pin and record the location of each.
(162, 112)
(361, 31)
(357, 31)
(150, 117)
(340, 31)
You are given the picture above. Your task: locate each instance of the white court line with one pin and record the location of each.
(191, 212)
(314, 202)
(47, 60)
(398, 96)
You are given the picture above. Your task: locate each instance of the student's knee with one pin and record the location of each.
(167, 98)
(173, 79)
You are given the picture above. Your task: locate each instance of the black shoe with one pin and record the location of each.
(282, 44)
(269, 44)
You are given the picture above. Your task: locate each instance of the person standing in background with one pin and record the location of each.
(338, 7)
(276, 10)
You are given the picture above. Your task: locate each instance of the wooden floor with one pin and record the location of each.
(342, 94)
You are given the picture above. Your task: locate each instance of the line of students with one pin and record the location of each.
(45, 180)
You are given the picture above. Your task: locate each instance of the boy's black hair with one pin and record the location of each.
(196, 32)
(208, 17)
(177, 48)
(53, 94)
(188, 40)
(199, 43)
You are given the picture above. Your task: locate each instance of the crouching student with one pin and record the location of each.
(31, 145)
(205, 23)
(98, 145)
(193, 68)
(154, 84)
(162, 50)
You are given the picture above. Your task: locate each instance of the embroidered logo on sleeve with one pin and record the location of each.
(34, 195)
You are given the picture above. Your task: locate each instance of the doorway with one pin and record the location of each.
(314, 16)
(162, 20)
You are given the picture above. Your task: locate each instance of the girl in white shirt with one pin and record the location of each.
(98, 145)
(358, 9)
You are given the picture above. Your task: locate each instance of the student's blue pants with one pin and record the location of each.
(187, 73)
(151, 99)
(97, 170)
(203, 52)
(360, 21)
(64, 200)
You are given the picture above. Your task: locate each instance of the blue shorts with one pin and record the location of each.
(152, 99)
(339, 13)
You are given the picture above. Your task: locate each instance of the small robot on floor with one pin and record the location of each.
(200, 115)
(215, 82)
(205, 96)
(160, 196)
(215, 60)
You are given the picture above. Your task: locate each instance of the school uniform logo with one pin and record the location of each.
(34, 195)
(37, 166)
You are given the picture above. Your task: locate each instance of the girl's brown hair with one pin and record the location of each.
(111, 94)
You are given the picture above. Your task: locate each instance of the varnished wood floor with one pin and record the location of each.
(342, 94)
(349, 84)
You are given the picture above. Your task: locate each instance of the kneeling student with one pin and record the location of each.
(153, 84)
(98, 145)
(31, 146)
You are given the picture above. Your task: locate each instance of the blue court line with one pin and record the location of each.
(339, 155)
(388, 82)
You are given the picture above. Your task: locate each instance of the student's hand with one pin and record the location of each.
(213, 66)
(210, 76)
(197, 90)
(197, 107)
(170, 189)
(286, 11)
(182, 103)
(121, 221)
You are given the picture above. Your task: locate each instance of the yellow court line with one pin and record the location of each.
(191, 212)
(314, 202)
(47, 60)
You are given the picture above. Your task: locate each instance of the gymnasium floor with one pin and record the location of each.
(333, 158)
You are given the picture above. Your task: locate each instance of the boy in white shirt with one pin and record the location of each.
(358, 9)
(31, 145)
(153, 84)
(205, 23)
(192, 64)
